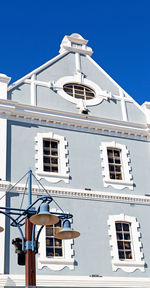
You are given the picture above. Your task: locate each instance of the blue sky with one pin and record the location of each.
(118, 32)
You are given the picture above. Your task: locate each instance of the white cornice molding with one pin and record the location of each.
(80, 194)
(77, 281)
(31, 114)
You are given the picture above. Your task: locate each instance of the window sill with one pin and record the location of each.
(118, 184)
(128, 266)
(53, 177)
(56, 263)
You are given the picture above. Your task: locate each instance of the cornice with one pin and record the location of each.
(77, 281)
(79, 194)
(15, 111)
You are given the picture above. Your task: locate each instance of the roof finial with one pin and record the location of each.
(75, 43)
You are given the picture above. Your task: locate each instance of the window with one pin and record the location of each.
(115, 162)
(79, 91)
(125, 242)
(51, 157)
(53, 245)
(54, 253)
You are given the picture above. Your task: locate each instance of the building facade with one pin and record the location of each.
(87, 141)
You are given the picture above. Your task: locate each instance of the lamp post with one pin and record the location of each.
(30, 217)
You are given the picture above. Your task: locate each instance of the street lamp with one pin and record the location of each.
(34, 217)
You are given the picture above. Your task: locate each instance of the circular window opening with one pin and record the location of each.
(79, 91)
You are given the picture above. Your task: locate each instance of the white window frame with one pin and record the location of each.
(127, 265)
(77, 78)
(63, 170)
(125, 165)
(55, 263)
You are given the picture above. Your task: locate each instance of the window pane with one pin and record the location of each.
(119, 236)
(126, 227)
(121, 255)
(49, 252)
(128, 255)
(126, 236)
(118, 226)
(120, 245)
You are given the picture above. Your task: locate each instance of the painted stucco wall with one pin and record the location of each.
(92, 249)
(84, 159)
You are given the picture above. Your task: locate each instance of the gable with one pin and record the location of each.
(44, 87)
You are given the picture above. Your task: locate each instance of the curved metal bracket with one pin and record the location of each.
(18, 226)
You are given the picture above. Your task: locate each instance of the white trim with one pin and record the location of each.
(33, 90)
(31, 114)
(77, 281)
(125, 160)
(82, 194)
(63, 161)
(126, 265)
(114, 82)
(99, 93)
(55, 263)
(3, 148)
(123, 106)
(37, 70)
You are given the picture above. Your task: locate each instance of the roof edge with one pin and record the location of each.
(43, 66)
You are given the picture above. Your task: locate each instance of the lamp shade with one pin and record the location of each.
(1, 229)
(44, 217)
(66, 232)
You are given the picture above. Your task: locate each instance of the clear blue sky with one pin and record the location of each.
(117, 30)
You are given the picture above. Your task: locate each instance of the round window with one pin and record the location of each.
(79, 91)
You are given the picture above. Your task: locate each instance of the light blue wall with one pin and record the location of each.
(135, 114)
(92, 249)
(84, 157)
(20, 94)
(95, 75)
(63, 67)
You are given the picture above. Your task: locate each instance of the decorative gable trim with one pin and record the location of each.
(99, 93)
(63, 161)
(37, 70)
(126, 169)
(126, 265)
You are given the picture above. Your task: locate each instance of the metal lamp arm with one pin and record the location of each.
(18, 226)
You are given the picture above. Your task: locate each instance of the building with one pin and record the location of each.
(88, 140)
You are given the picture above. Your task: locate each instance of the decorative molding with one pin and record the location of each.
(63, 160)
(75, 43)
(100, 95)
(33, 90)
(123, 106)
(80, 194)
(31, 114)
(126, 169)
(77, 281)
(55, 263)
(126, 265)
